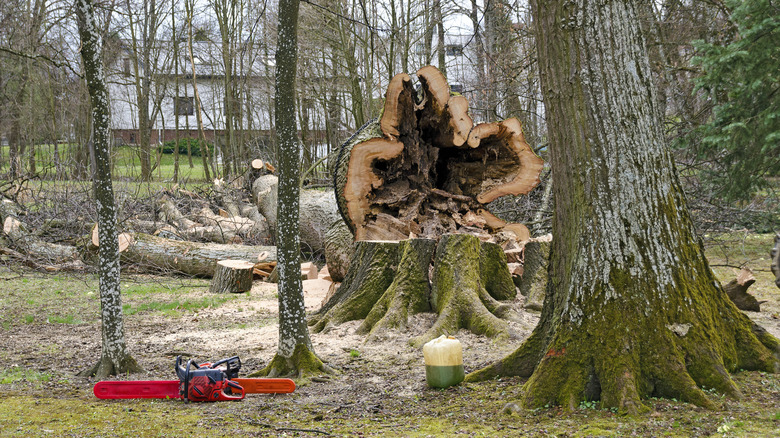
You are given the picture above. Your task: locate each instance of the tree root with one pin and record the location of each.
(407, 294)
(303, 366)
(459, 294)
(105, 367)
(371, 273)
(622, 362)
(469, 277)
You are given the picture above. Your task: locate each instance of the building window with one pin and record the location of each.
(456, 88)
(453, 50)
(183, 106)
(126, 66)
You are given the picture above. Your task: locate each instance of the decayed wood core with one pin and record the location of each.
(427, 170)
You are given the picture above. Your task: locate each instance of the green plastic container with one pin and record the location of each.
(444, 376)
(443, 362)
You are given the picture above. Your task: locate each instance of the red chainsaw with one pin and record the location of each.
(217, 381)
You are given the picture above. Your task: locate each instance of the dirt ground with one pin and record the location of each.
(380, 389)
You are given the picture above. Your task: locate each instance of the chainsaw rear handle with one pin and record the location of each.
(232, 365)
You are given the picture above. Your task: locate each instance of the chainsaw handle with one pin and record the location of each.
(233, 386)
(232, 365)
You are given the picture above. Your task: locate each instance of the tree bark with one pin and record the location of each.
(390, 281)
(317, 211)
(114, 358)
(339, 248)
(633, 310)
(38, 249)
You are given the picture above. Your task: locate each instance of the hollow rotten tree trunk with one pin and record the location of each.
(632, 310)
(412, 187)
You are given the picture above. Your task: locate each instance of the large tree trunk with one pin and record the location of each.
(115, 358)
(633, 310)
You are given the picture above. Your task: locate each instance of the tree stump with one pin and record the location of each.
(234, 276)
(533, 282)
(737, 288)
(413, 188)
(775, 255)
(390, 281)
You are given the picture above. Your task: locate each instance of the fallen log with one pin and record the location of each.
(317, 211)
(157, 254)
(29, 244)
(338, 249)
(171, 214)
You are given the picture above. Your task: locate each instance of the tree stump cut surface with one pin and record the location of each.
(424, 169)
(234, 276)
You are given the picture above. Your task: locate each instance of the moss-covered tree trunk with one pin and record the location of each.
(633, 309)
(114, 358)
(458, 277)
(295, 355)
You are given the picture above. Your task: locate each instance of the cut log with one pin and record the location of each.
(232, 276)
(29, 244)
(424, 166)
(317, 211)
(264, 269)
(265, 194)
(171, 214)
(775, 255)
(156, 254)
(125, 239)
(737, 288)
(309, 270)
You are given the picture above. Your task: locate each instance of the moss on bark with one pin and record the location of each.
(494, 273)
(386, 295)
(632, 310)
(373, 267)
(458, 295)
(407, 294)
